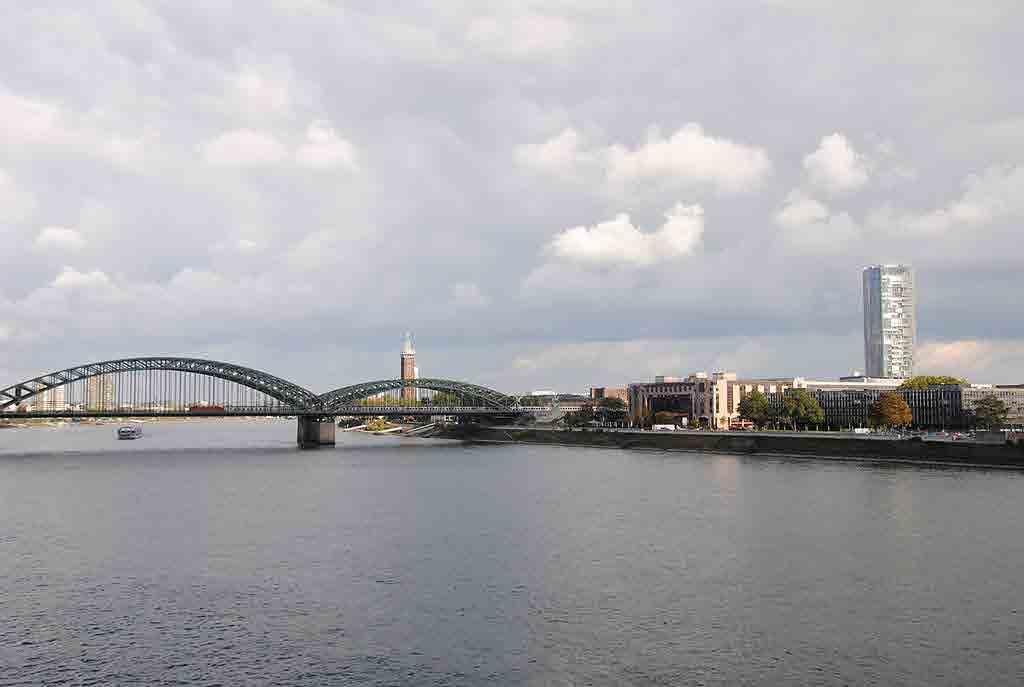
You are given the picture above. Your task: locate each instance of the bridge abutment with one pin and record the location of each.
(314, 432)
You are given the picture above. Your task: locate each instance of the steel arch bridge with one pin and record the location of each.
(451, 395)
(186, 387)
(287, 393)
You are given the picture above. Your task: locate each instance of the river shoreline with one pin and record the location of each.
(923, 453)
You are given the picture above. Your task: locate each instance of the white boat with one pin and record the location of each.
(129, 432)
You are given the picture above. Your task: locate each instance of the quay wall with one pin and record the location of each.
(962, 452)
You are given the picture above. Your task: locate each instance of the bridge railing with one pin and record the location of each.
(417, 410)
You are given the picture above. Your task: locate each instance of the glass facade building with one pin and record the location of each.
(890, 321)
(943, 406)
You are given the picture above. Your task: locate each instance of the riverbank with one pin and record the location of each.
(809, 445)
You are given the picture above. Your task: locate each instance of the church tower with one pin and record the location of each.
(409, 370)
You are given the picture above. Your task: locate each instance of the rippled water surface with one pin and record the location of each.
(216, 553)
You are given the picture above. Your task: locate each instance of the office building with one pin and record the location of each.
(702, 399)
(51, 400)
(890, 320)
(99, 393)
(599, 392)
(714, 400)
(943, 406)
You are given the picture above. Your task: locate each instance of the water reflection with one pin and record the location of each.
(233, 557)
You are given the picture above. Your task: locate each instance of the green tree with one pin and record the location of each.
(580, 418)
(754, 407)
(801, 410)
(990, 412)
(925, 381)
(890, 410)
(611, 409)
(612, 403)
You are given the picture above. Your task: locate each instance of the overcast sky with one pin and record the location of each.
(548, 194)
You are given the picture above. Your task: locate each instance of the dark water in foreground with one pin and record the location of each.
(218, 554)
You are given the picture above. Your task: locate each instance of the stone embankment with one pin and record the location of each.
(809, 445)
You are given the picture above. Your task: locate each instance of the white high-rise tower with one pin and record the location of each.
(890, 321)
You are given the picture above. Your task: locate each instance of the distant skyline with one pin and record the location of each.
(558, 194)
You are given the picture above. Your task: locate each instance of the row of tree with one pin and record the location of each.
(800, 410)
(890, 410)
(926, 381)
(605, 410)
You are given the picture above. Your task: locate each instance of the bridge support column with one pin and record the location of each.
(314, 432)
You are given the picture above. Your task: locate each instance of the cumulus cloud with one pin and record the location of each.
(261, 92)
(70, 278)
(835, 166)
(809, 226)
(236, 247)
(30, 122)
(16, 204)
(433, 98)
(979, 360)
(468, 295)
(25, 120)
(688, 157)
(324, 149)
(618, 242)
(800, 210)
(560, 155)
(995, 194)
(59, 238)
(243, 147)
(529, 35)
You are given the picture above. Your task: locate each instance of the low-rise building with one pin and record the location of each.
(51, 400)
(599, 392)
(704, 400)
(713, 400)
(944, 406)
(1010, 394)
(854, 383)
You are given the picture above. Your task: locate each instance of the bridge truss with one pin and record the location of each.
(170, 386)
(401, 395)
(154, 385)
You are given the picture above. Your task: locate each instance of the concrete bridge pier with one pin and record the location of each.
(314, 432)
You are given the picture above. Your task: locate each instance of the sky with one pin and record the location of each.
(556, 194)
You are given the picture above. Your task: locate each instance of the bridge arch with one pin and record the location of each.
(350, 395)
(282, 390)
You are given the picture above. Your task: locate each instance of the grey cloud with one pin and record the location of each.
(395, 196)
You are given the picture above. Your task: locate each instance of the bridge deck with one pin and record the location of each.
(345, 411)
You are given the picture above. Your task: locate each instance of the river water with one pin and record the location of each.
(216, 553)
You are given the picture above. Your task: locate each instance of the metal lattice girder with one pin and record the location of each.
(340, 398)
(275, 387)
